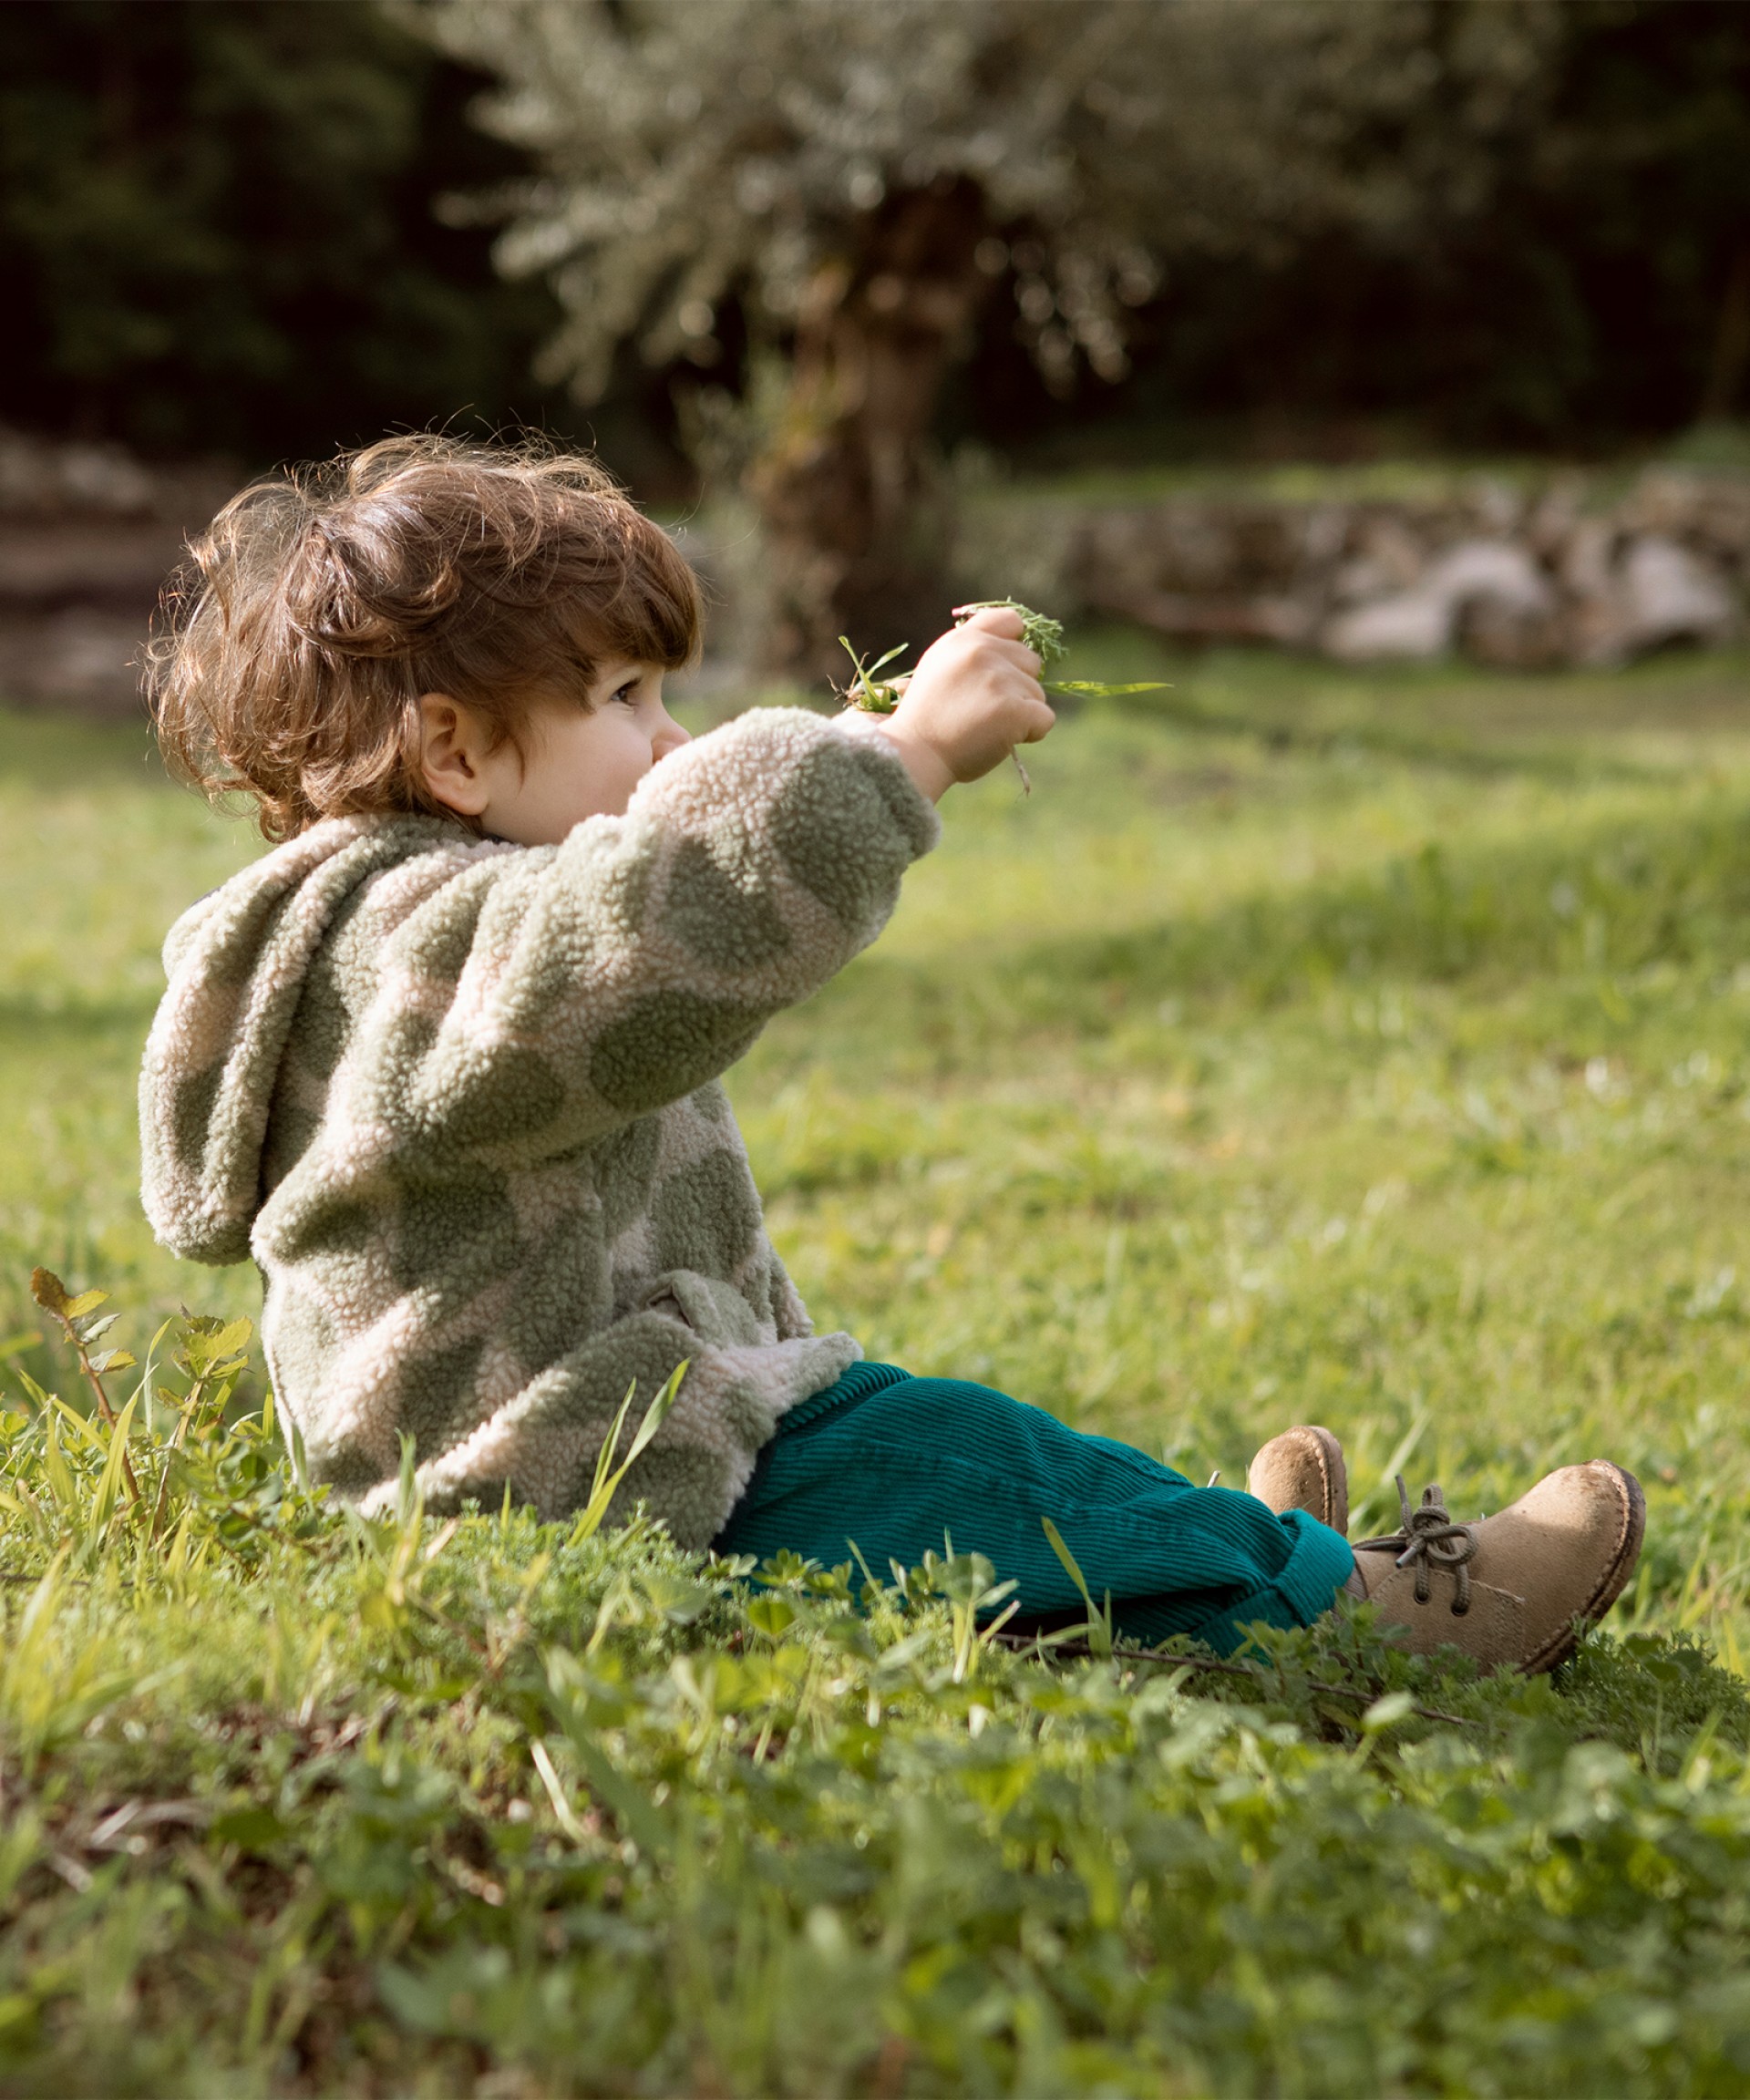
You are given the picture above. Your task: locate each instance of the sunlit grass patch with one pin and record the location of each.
(300, 1802)
(1311, 1045)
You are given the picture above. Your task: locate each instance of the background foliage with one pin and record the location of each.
(217, 227)
(1558, 266)
(1442, 209)
(217, 233)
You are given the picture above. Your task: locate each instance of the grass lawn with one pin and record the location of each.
(1367, 1048)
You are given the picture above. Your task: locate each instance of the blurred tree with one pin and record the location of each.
(216, 229)
(855, 176)
(850, 223)
(1566, 266)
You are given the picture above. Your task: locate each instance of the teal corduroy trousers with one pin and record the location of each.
(897, 1466)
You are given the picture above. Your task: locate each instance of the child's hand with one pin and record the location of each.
(975, 695)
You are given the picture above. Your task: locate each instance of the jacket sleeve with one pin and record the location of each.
(546, 996)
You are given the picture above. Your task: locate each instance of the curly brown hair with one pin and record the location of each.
(290, 654)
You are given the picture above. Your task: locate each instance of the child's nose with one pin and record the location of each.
(670, 736)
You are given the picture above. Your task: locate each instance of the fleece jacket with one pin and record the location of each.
(460, 1101)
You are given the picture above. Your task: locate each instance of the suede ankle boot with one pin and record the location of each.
(1516, 1590)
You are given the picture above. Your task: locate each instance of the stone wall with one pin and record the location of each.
(1578, 571)
(88, 536)
(1575, 570)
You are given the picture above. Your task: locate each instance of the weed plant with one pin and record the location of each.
(1317, 1048)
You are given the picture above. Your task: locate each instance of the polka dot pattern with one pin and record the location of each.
(460, 1101)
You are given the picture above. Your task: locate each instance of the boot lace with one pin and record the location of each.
(1430, 1540)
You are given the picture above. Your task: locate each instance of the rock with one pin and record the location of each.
(1506, 609)
(1586, 561)
(1512, 638)
(55, 562)
(1489, 588)
(1417, 624)
(1669, 594)
(1497, 571)
(1385, 557)
(40, 477)
(1182, 616)
(1495, 506)
(1570, 569)
(1211, 570)
(1627, 597)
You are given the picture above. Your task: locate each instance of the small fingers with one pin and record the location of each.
(1041, 722)
(1014, 652)
(992, 620)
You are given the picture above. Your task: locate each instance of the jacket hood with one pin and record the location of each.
(237, 962)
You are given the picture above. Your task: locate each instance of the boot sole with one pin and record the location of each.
(1610, 1583)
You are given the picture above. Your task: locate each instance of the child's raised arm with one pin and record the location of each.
(585, 984)
(639, 959)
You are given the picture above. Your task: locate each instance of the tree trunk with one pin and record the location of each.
(850, 530)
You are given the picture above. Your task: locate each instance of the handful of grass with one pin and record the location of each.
(1041, 634)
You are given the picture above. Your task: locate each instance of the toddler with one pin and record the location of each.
(445, 1064)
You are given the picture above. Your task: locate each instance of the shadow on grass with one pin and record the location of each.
(1459, 752)
(1610, 898)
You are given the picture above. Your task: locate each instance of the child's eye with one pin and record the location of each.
(628, 693)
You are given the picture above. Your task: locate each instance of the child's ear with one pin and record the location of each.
(451, 748)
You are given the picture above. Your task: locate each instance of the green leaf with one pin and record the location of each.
(770, 1615)
(1072, 1567)
(228, 1340)
(679, 1600)
(556, 1794)
(1099, 1622)
(19, 1848)
(607, 1476)
(60, 1476)
(1092, 689)
(87, 1428)
(630, 1807)
(209, 1351)
(103, 1506)
(250, 1828)
(874, 696)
